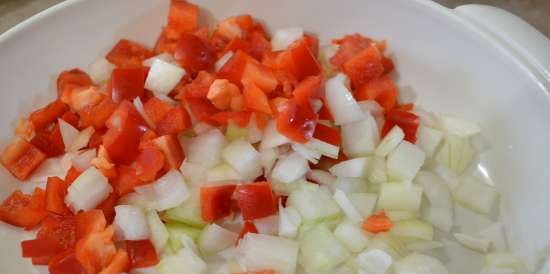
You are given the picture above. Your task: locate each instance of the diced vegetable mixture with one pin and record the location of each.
(225, 149)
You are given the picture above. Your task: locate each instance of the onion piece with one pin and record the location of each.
(289, 221)
(419, 264)
(141, 110)
(82, 139)
(167, 192)
(272, 138)
(221, 62)
(313, 203)
(320, 250)
(474, 243)
(413, 230)
(324, 148)
(371, 107)
(130, 223)
(440, 210)
(400, 196)
(347, 207)
(223, 173)
(244, 158)
(360, 138)
(255, 134)
(88, 190)
(193, 173)
(282, 38)
(100, 70)
(354, 168)
(215, 238)
(158, 233)
(352, 236)
(340, 101)
(392, 139)
(363, 202)
(389, 244)
(374, 261)
(507, 261)
(206, 149)
(290, 168)
(428, 139)
(495, 233)
(262, 252)
(267, 160)
(166, 57)
(376, 171)
(424, 246)
(309, 154)
(405, 161)
(321, 177)
(268, 225)
(68, 133)
(457, 153)
(476, 195)
(84, 160)
(188, 212)
(163, 77)
(183, 262)
(459, 127)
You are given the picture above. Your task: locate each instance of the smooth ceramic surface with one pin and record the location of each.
(451, 65)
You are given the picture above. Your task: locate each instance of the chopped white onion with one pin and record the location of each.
(400, 215)
(376, 172)
(268, 225)
(424, 246)
(427, 118)
(375, 261)
(320, 250)
(201, 128)
(48, 168)
(480, 143)
(400, 196)
(406, 95)
(405, 161)
(313, 203)
(359, 138)
(389, 244)
(440, 210)
(428, 139)
(244, 158)
(82, 139)
(339, 99)
(363, 202)
(163, 77)
(255, 134)
(505, 260)
(495, 233)
(223, 173)
(371, 107)
(457, 153)
(166, 57)
(321, 177)
(221, 62)
(189, 212)
(267, 159)
(88, 190)
(100, 70)
(193, 173)
(347, 206)
(289, 221)
(167, 192)
(183, 262)
(130, 223)
(474, 243)
(282, 38)
(309, 154)
(215, 238)
(459, 127)
(419, 264)
(352, 236)
(413, 230)
(84, 160)
(158, 233)
(272, 138)
(324, 148)
(354, 168)
(68, 134)
(476, 195)
(392, 139)
(141, 110)
(290, 168)
(206, 149)
(269, 252)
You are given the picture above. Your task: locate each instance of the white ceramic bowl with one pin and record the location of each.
(475, 62)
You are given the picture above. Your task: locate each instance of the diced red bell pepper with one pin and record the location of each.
(119, 264)
(299, 61)
(71, 118)
(128, 83)
(66, 263)
(142, 253)
(277, 104)
(126, 180)
(44, 247)
(56, 190)
(156, 109)
(216, 202)
(313, 44)
(147, 139)
(164, 44)
(122, 139)
(234, 68)
(261, 120)
(96, 250)
(45, 116)
(128, 54)
(108, 207)
(236, 26)
(259, 44)
(255, 200)
(70, 79)
(62, 229)
(72, 174)
(297, 122)
(83, 97)
(405, 107)
(198, 88)
(248, 227)
(148, 163)
(262, 76)
(96, 138)
(255, 99)
(350, 45)
(201, 109)
(327, 134)
(173, 153)
(88, 222)
(240, 118)
(382, 89)
(98, 114)
(388, 64)
(407, 121)
(324, 113)
(237, 44)
(21, 158)
(183, 17)
(175, 121)
(194, 54)
(50, 142)
(311, 87)
(364, 66)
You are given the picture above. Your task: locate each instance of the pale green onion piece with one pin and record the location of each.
(428, 139)
(183, 262)
(272, 138)
(268, 157)
(176, 230)
(222, 173)
(206, 149)
(289, 221)
(390, 244)
(459, 127)
(193, 173)
(215, 238)
(343, 106)
(413, 230)
(360, 137)
(189, 212)
(352, 236)
(507, 261)
(130, 223)
(400, 215)
(321, 177)
(234, 132)
(313, 203)
(375, 261)
(347, 207)
(400, 197)
(244, 158)
(476, 195)
(495, 233)
(350, 185)
(290, 168)
(320, 250)
(354, 168)
(424, 246)
(390, 141)
(363, 202)
(440, 209)
(405, 161)
(261, 252)
(473, 243)
(376, 172)
(159, 235)
(457, 153)
(419, 264)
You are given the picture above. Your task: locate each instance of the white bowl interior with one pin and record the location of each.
(450, 65)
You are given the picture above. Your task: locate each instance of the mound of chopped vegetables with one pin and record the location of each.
(235, 152)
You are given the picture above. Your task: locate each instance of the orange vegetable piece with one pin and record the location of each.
(378, 223)
(24, 210)
(221, 92)
(262, 76)
(45, 116)
(119, 264)
(364, 66)
(56, 190)
(173, 153)
(70, 79)
(21, 158)
(128, 54)
(255, 99)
